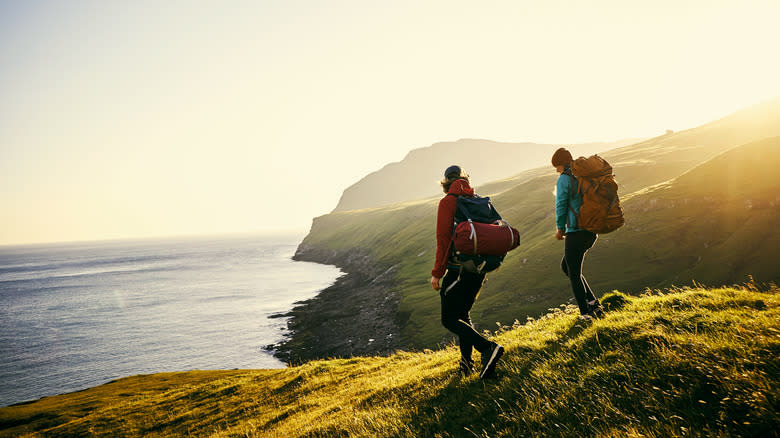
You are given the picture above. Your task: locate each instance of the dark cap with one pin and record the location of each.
(453, 171)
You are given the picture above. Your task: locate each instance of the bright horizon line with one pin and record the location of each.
(161, 237)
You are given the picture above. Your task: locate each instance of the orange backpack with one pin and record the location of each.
(600, 211)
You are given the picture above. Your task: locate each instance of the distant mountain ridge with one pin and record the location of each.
(416, 176)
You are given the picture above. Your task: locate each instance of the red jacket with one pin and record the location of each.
(445, 220)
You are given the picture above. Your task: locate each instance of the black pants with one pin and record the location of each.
(577, 244)
(459, 290)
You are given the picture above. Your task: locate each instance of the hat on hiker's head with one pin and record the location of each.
(561, 157)
(453, 171)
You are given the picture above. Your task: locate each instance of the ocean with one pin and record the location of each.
(77, 315)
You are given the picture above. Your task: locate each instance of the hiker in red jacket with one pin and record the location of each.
(457, 287)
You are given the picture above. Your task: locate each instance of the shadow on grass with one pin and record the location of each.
(463, 405)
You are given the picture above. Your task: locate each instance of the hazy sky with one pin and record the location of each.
(148, 118)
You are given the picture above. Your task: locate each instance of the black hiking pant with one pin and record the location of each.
(577, 243)
(459, 290)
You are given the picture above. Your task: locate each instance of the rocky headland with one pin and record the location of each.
(356, 316)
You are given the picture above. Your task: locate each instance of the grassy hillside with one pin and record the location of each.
(415, 176)
(682, 362)
(716, 223)
(665, 241)
(686, 229)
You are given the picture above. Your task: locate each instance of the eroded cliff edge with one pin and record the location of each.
(356, 316)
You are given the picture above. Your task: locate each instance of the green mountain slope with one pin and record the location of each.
(714, 224)
(659, 159)
(685, 362)
(663, 242)
(415, 176)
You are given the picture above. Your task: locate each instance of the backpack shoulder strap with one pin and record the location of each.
(572, 193)
(459, 208)
(574, 182)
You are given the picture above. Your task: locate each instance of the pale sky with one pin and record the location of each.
(150, 118)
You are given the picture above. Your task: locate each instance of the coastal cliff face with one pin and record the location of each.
(356, 316)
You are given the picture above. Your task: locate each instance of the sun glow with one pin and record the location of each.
(122, 120)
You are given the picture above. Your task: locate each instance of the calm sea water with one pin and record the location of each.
(74, 316)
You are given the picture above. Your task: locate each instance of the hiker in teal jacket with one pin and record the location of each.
(577, 241)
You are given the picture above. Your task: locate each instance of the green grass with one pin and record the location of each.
(678, 362)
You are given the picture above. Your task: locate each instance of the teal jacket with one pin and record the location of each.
(566, 196)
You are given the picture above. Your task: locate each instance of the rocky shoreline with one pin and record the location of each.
(356, 316)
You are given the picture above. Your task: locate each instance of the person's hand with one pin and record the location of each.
(435, 283)
(559, 234)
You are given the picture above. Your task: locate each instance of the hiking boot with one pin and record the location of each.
(490, 359)
(586, 317)
(597, 312)
(466, 367)
(595, 309)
